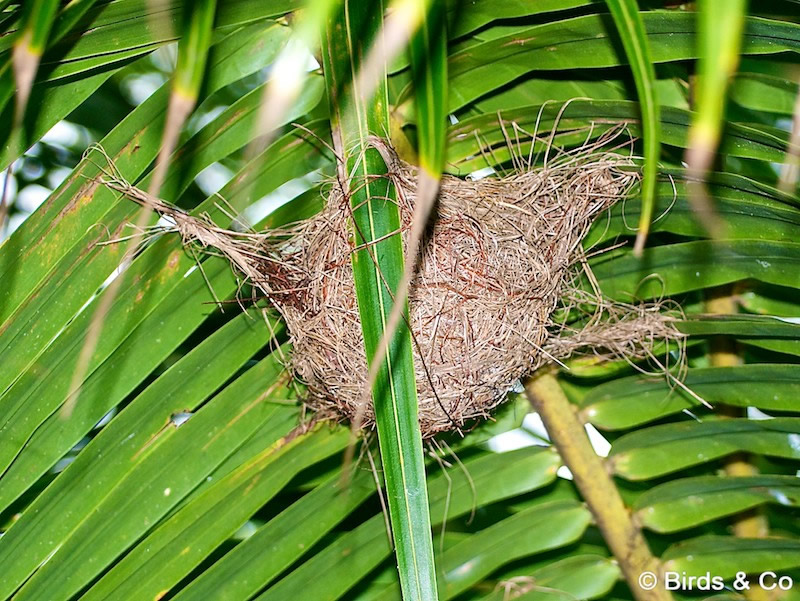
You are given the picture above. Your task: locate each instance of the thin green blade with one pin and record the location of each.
(378, 268)
(634, 39)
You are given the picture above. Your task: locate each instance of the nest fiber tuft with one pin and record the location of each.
(501, 256)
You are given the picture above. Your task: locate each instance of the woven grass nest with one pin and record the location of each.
(501, 256)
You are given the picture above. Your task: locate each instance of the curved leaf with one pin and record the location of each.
(663, 449)
(628, 402)
(689, 266)
(634, 39)
(726, 556)
(585, 42)
(692, 501)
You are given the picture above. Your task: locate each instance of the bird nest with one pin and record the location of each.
(502, 254)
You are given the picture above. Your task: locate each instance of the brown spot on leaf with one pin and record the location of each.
(80, 198)
(173, 261)
(252, 484)
(518, 42)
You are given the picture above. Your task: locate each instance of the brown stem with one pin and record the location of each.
(622, 536)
